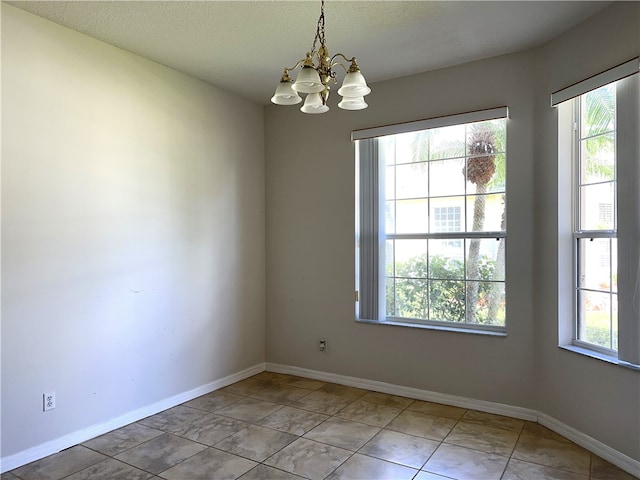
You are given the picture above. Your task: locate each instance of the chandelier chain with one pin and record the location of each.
(319, 29)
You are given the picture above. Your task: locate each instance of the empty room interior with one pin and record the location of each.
(433, 273)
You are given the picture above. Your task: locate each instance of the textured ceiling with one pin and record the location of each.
(242, 46)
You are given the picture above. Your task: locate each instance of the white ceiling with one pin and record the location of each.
(242, 46)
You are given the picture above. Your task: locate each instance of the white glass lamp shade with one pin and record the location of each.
(285, 95)
(308, 81)
(354, 85)
(313, 104)
(353, 103)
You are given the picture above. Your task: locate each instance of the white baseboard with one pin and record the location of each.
(456, 401)
(54, 446)
(611, 455)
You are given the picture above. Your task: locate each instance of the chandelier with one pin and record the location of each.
(314, 78)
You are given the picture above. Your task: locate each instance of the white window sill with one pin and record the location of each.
(445, 328)
(599, 356)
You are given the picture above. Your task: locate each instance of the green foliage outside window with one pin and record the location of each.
(436, 290)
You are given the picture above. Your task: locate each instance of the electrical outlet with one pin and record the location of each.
(323, 345)
(48, 401)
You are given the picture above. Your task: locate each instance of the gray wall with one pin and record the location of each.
(599, 399)
(310, 241)
(132, 232)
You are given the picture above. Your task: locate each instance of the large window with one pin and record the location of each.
(599, 183)
(431, 227)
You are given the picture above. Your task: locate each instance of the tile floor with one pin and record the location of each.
(279, 427)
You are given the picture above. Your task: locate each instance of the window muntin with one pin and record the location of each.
(442, 197)
(595, 234)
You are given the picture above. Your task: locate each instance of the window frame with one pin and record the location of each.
(627, 201)
(377, 292)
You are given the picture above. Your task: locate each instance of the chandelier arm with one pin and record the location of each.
(343, 56)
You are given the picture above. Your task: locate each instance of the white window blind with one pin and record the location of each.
(596, 81)
(437, 122)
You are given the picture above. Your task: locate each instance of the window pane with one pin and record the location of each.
(446, 177)
(412, 181)
(490, 308)
(598, 111)
(594, 266)
(596, 314)
(446, 259)
(485, 259)
(598, 159)
(412, 147)
(446, 214)
(387, 150)
(412, 216)
(390, 217)
(614, 265)
(614, 322)
(389, 254)
(411, 258)
(411, 298)
(390, 303)
(491, 131)
(485, 213)
(390, 183)
(447, 142)
(597, 207)
(446, 300)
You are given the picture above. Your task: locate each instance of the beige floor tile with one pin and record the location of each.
(310, 459)
(172, 417)
(213, 401)
(603, 470)
(369, 468)
(484, 438)
(210, 464)
(280, 393)
(369, 413)
(275, 377)
(110, 469)
(437, 409)
(255, 443)
(122, 439)
(264, 472)
(301, 382)
(465, 464)
(552, 453)
(293, 420)
(248, 387)
(343, 433)
(60, 465)
(322, 402)
(161, 453)
(209, 429)
(492, 420)
(519, 470)
(343, 390)
(422, 425)
(541, 431)
(387, 399)
(401, 448)
(249, 409)
(422, 475)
